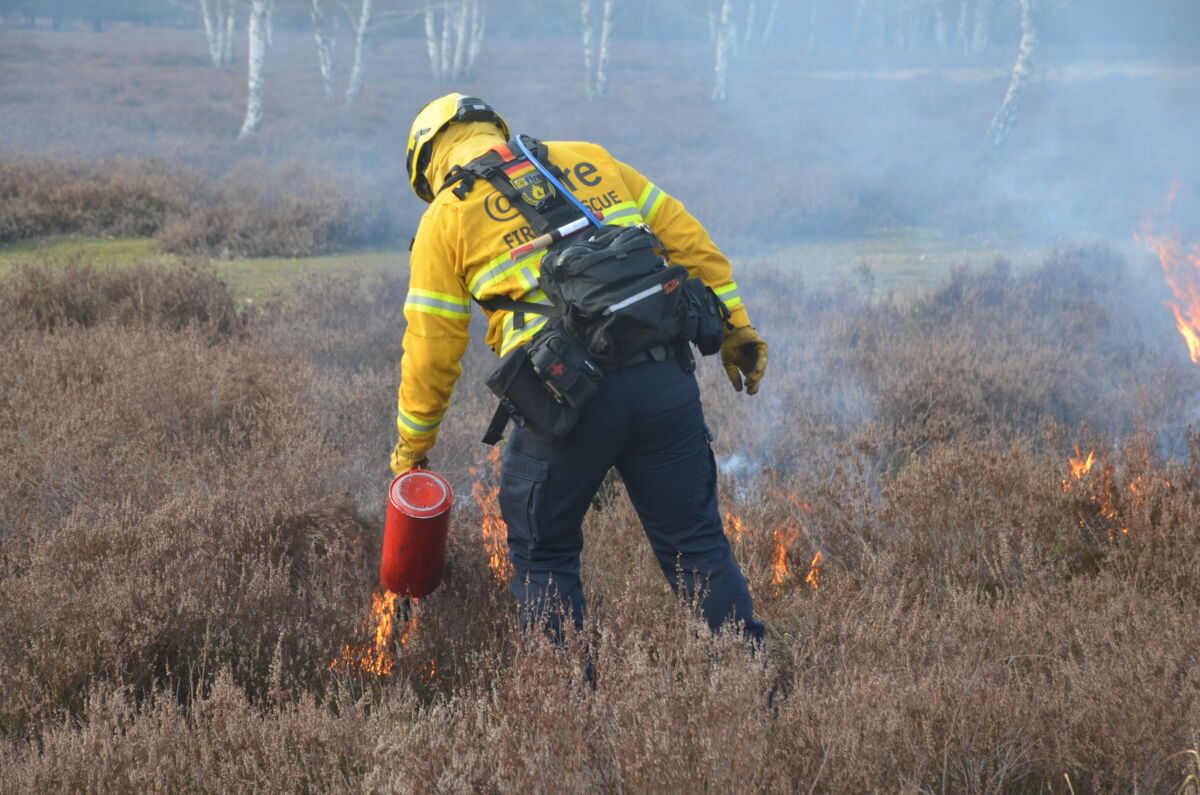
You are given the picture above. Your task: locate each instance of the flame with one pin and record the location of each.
(495, 532)
(814, 571)
(1080, 466)
(374, 654)
(735, 527)
(779, 559)
(1181, 269)
(1102, 492)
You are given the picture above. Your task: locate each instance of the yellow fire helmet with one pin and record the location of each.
(435, 117)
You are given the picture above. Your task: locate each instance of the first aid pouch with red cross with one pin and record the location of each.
(543, 385)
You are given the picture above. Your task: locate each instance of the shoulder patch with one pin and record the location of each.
(533, 187)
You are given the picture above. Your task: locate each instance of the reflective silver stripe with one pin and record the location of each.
(513, 337)
(504, 268)
(649, 203)
(619, 214)
(633, 299)
(729, 294)
(414, 425)
(437, 303)
(530, 278)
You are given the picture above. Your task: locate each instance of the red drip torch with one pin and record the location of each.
(414, 538)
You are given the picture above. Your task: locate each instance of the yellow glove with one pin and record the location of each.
(404, 457)
(744, 352)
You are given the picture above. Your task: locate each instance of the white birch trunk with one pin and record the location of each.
(218, 16)
(478, 24)
(256, 61)
(212, 30)
(358, 69)
(585, 17)
(431, 42)
(445, 49)
(751, 13)
(271, 24)
(324, 47)
(1006, 117)
(227, 41)
(601, 82)
(721, 71)
(460, 39)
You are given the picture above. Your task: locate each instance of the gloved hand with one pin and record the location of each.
(404, 457)
(744, 352)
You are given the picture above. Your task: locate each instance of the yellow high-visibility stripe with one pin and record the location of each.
(650, 201)
(436, 303)
(414, 425)
(510, 336)
(729, 294)
(623, 214)
(513, 338)
(527, 268)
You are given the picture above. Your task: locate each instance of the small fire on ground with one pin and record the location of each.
(783, 540)
(1100, 485)
(486, 492)
(1180, 263)
(372, 651)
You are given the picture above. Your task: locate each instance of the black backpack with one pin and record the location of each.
(614, 297)
(611, 286)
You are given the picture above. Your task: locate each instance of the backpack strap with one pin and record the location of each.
(492, 166)
(518, 308)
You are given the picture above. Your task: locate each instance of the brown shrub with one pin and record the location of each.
(264, 211)
(72, 294)
(119, 199)
(180, 565)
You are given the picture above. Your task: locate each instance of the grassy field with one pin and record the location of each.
(903, 262)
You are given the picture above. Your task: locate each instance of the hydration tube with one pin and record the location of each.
(588, 214)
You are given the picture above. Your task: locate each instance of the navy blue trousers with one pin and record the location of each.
(647, 422)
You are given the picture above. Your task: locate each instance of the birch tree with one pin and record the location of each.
(1006, 117)
(360, 22)
(323, 33)
(595, 81)
(256, 62)
(219, 18)
(733, 27)
(453, 37)
(724, 39)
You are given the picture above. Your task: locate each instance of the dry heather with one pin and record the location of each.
(302, 212)
(191, 506)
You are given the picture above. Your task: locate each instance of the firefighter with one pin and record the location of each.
(646, 419)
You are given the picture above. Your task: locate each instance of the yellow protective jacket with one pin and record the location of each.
(462, 250)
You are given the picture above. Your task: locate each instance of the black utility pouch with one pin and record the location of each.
(562, 363)
(523, 394)
(707, 314)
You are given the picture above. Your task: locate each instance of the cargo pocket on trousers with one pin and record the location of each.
(522, 481)
(706, 476)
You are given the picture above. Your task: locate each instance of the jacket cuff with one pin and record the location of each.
(738, 316)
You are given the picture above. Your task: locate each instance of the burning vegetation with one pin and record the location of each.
(988, 599)
(1180, 261)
